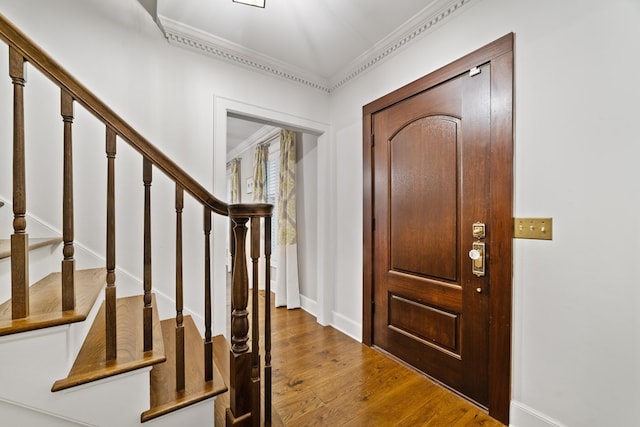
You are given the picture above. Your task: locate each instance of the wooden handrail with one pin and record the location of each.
(55, 72)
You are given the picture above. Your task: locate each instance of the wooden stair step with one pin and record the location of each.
(34, 243)
(45, 301)
(91, 364)
(164, 397)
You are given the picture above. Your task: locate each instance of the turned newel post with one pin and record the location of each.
(244, 365)
(68, 262)
(240, 290)
(239, 412)
(19, 238)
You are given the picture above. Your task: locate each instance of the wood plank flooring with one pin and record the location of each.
(322, 377)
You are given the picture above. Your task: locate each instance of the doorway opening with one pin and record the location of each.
(312, 205)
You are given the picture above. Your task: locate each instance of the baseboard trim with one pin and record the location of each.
(338, 321)
(347, 326)
(309, 305)
(522, 415)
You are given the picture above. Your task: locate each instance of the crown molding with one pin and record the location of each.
(192, 38)
(434, 13)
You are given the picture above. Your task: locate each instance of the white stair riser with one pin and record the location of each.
(42, 262)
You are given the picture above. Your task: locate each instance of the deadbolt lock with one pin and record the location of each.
(479, 230)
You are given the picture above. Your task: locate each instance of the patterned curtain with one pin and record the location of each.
(235, 180)
(287, 286)
(260, 172)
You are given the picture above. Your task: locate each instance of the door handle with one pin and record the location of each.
(477, 258)
(477, 252)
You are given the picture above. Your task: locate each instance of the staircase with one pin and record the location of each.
(78, 348)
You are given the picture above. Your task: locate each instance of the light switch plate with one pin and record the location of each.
(533, 228)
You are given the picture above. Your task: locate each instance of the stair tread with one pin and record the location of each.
(91, 364)
(164, 398)
(45, 301)
(34, 243)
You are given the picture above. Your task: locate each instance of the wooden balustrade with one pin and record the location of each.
(244, 377)
(19, 238)
(68, 262)
(255, 320)
(110, 290)
(267, 322)
(180, 373)
(147, 311)
(208, 343)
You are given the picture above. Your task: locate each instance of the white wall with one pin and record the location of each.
(167, 94)
(576, 346)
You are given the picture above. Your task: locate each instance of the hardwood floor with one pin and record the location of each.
(322, 377)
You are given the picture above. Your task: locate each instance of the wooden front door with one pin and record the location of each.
(440, 195)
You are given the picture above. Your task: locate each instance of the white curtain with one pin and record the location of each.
(287, 286)
(235, 180)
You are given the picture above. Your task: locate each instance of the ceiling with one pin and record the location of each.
(318, 43)
(240, 130)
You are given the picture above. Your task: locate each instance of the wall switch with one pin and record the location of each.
(533, 228)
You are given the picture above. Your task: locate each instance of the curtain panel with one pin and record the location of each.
(260, 172)
(287, 285)
(235, 181)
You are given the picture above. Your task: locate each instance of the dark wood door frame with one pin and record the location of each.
(500, 54)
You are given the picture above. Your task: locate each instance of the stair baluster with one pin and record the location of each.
(19, 238)
(147, 321)
(110, 290)
(255, 321)
(267, 321)
(208, 343)
(68, 261)
(180, 372)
